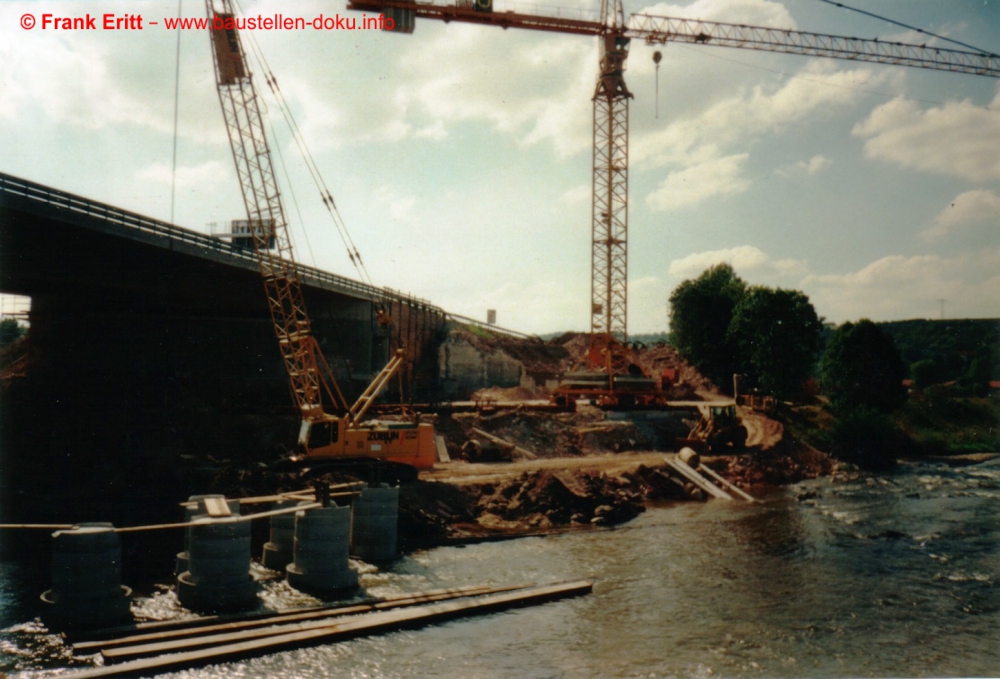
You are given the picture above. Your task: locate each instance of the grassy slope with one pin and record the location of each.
(943, 425)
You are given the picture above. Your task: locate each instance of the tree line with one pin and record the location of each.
(775, 338)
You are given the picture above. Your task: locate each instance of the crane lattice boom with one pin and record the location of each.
(657, 29)
(272, 244)
(609, 254)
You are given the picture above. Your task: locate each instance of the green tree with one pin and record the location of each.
(866, 437)
(776, 334)
(10, 331)
(700, 312)
(861, 367)
(927, 372)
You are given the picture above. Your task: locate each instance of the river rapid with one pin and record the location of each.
(888, 575)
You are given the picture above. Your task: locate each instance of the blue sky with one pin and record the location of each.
(460, 155)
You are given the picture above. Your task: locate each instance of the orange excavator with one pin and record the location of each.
(331, 431)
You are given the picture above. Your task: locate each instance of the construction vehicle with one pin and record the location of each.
(720, 429)
(331, 430)
(609, 358)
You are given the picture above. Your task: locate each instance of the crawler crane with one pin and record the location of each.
(331, 430)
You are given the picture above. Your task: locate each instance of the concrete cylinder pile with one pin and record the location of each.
(218, 576)
(376, 521)
(195, 506)
(279, 550)
(321, 550)
(87, 591)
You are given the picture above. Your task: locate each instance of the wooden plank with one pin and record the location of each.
(698, 480)
(502, 442)
(235, 519)
(371, 623)
(442, 449)
(38, 526)
(269, 629)
(260, 499)
(287, 617)
(725, 483)
(217, 507)
(205, 621)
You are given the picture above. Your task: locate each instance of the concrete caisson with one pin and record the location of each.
(376, 519)
(86, 579)
(279, 550)
(322, 552)
(197, 509)
(218, 575)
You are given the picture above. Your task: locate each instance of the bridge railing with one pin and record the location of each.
(494, 329)
(83, 206)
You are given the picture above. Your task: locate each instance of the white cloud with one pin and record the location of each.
(899, 287)
(577, 194)
(818, 90)
(814, 165)
(400, 209)
(957, 138)
(890, 288)
(972, 206)
(99, 81)
(434, 131)
(756, 12)
(204, 176)
(748, 261)
(686, 188)
(647, 305)
(528, 86)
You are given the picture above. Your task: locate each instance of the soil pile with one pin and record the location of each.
(547, 435)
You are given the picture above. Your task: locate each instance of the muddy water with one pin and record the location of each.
(880, 576)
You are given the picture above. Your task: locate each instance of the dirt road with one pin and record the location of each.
(461, 473)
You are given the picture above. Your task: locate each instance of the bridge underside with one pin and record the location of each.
(147, 354)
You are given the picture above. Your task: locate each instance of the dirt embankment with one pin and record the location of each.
(573, 471)
(569, 471)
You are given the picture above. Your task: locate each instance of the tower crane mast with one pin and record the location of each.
(608, 353)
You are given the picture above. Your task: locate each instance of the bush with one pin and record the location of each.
(862, 369)
(867, 438)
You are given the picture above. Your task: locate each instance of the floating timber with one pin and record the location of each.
(339, 630)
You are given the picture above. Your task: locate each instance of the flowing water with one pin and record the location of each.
(878, 576)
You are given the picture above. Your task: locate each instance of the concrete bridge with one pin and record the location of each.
(151, 343)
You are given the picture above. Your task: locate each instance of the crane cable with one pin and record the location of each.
(325, 194)
(376, 294)
(912, 28)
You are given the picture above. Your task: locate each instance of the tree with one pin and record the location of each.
(776, 334)
(861, 367)
(700, 312)
(927, 372)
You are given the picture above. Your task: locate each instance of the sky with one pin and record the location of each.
(460, 156)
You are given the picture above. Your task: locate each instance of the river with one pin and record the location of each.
(890, 575)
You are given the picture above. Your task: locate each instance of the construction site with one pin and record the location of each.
(257, 445)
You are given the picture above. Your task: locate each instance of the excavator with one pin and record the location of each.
(332, 432)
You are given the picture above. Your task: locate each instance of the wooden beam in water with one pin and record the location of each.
(95, 638)
(285, 618)
(372, 623)
(697, 479)
(725, 484)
